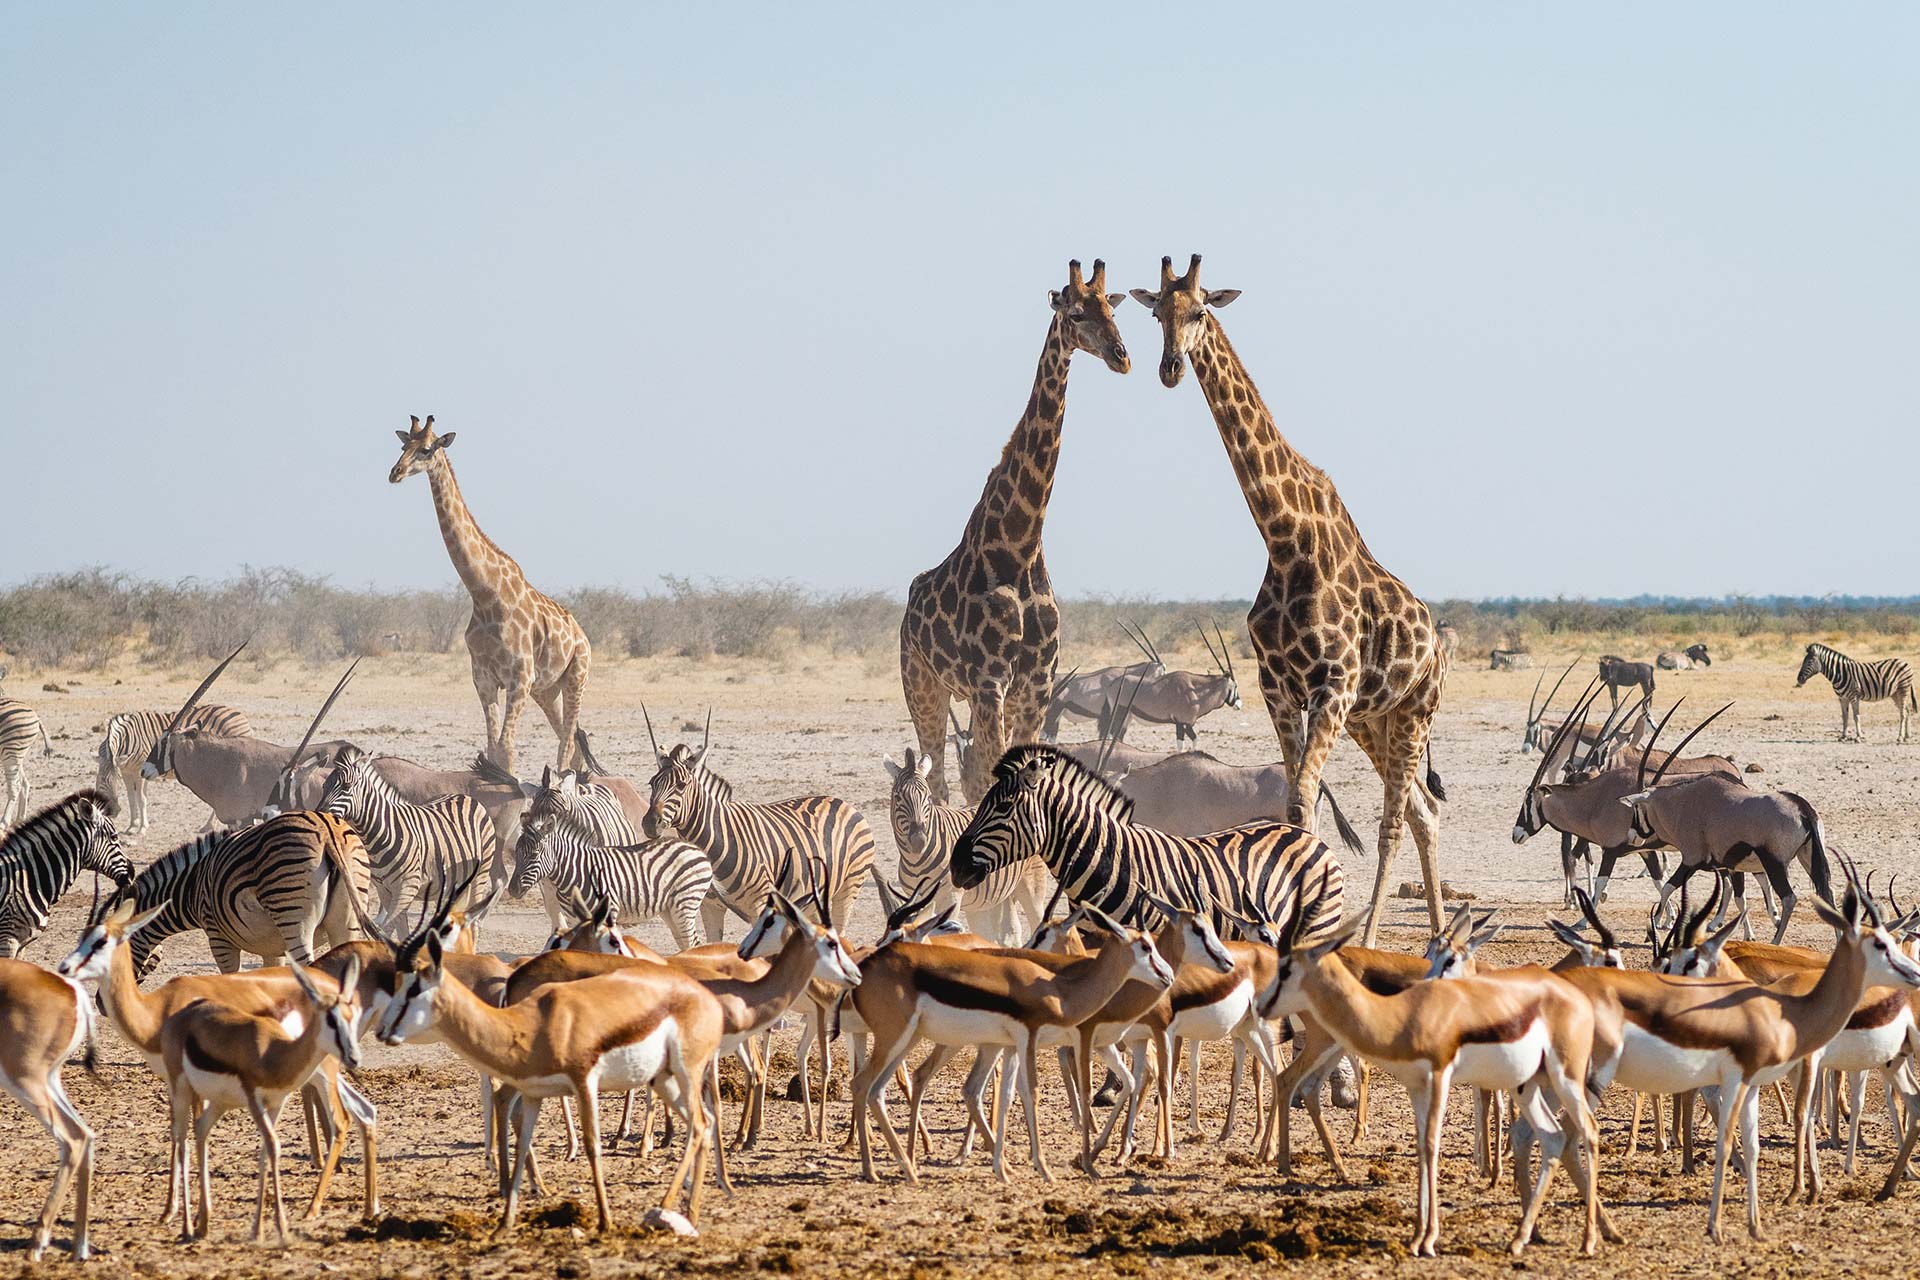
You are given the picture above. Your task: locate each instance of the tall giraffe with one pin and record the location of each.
(1342, 643)
(520, 642)
(982, 625)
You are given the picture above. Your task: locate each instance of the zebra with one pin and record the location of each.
(40, 858)
(664, 879)
(749, 843)
(1043, 803)
(130, 738)
(924, 831)
(428, 848)
(270, 890)
(19, 726)
(1855, 682)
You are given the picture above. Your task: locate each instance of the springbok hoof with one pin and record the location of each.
(657, 1219)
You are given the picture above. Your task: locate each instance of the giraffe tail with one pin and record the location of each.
(1433, 775)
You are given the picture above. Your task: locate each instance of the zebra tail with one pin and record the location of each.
(344, 883)
(1434, 784)
(1348, 836)
(1818, 867)
(45, 742)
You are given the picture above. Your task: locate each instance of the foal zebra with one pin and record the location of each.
(40, 858)
(1043, 803)
(665, 879)
(19, 726)
(924, 832)
(130, 738)
(430, 848)
(270, 890)
(749, 844)
(1855, 682)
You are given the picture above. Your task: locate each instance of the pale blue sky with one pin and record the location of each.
(758, 291)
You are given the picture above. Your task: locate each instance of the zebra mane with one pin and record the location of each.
(1077, 779)
(169, 866)
(52, 819)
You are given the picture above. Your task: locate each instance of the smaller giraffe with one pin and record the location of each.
(520, 642)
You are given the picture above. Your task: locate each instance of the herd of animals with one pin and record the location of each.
(1199, 903)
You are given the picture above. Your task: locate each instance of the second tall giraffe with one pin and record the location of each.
(1342, 643)
(521, 643)
(982, 625)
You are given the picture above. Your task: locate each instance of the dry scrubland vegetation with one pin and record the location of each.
(93, 617)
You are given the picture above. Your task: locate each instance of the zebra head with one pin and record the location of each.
(672, 791)
(1036, 789)
(537, 826)
(341, 794)
(418, 449)
(1813, 664)
(102, 853)
(912, 801)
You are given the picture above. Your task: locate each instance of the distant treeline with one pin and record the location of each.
(93, 617)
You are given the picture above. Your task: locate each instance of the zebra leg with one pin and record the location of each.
(713, 917)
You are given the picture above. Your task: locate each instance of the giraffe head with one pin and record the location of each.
(1086, 311)
(417, 449)
(1180, 305)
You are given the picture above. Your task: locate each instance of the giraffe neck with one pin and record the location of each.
(485, 570)
(1283, 490)
(1013, 505)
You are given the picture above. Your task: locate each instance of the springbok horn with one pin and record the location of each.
(293, 761)
(180, 717)
(650, 738)
(1600, 929)
(1675, 755)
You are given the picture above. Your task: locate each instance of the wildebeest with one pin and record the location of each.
(1181, 698)
(1509, 660)
(1616, 673)
(1694, 655)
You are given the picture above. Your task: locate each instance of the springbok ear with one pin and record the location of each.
(1566, 933)
(142, 920)
(306, 983)
(1145, 297)
(351, 978)
(1827, 913)
(1221, 297)
(404, 437)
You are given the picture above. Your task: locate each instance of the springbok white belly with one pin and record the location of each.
(946, 1024)
(1215, 1021)
(1652, 1065)
(1505, 1065)
(639, 1064)
(1869, 1047)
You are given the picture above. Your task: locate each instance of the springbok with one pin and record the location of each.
(44, 1019)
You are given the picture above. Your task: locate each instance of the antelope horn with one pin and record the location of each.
(1608, 728)
(1576, 716)
(1683, 743)
(706, 738)
(1166, 272)
(1600, 929)
(650, 738)
(1640, 775)
(299, 751)
(180, 717)
(1139, 639)
(1073, 275)
(1059, 687)
(1204, 639)
(1532, 719)
(1224, 650)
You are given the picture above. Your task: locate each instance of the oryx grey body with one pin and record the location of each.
(1092, 694)
(1190, 793)
(1855, 682)
(236, 777)
(129, 738)
(1693, 656)
(20, 726)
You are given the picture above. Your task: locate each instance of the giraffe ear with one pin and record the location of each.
(1055, 301)
(1221, 297)
(1115, 299)
(404, 437)
(446, 440)
(1146, 298)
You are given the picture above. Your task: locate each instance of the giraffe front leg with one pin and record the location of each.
(488, 690)
(573, 692)
(989, 742)
(517, 694)
(927, 704)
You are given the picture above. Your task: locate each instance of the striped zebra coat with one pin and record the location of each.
(748, 843)
(1045, 804)
(40, 858)
(413, 849)
(664, 879)
(19, 727)
(130, 738)
(1855, 682)
(277, 889)
(924, 832)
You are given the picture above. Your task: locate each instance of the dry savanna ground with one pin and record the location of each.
(1213, 1209)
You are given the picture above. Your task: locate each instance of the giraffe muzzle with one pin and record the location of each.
(1117, 358)
(1171, 369)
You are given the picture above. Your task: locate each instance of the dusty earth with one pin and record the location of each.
(823, 725)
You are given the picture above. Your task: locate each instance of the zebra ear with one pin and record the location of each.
(894, 771)
(924, 766)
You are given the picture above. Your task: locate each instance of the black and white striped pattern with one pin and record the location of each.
(664, 879)
(40, 858)
(272, 890)
(426, 849)
(1045, 804)
(129, 739)
(749, 844)
(19, 727)
(925, 832)
(1855, 682)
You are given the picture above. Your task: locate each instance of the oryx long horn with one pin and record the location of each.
(706, 738)
(180, 717)
(1640, 775)
(1140, 642)
(1675, 754)
(1059, 687)
(1608, 728)
(650, 738)
(1532, 718)
(1219, 664)
(1225, 652)
(1560, 734)
(293, 761)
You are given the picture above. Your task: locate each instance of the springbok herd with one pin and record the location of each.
(1162, 902)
